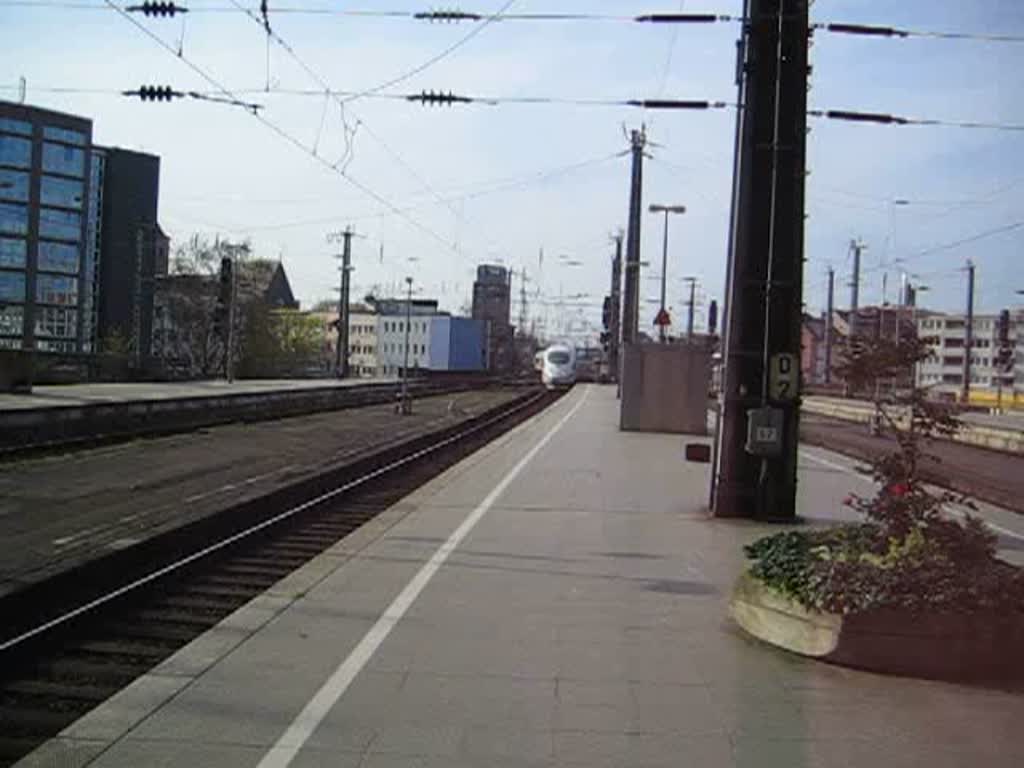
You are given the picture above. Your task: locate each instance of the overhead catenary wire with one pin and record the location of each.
(455, 15)
(948, 246)
(330, 93)
(280, 131)
(449, 98)
(422, 67)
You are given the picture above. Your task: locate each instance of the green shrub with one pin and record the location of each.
(909, 553)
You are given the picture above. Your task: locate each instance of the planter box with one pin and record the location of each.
(934, 645)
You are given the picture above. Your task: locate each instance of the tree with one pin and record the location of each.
(279, 342)
(185, 334)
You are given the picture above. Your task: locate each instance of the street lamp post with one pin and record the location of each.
(406, 407)
(913, 321)
(666, 209)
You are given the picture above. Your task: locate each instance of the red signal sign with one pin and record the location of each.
(662, 318)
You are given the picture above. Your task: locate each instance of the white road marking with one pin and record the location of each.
(302, 727)
(961, 513)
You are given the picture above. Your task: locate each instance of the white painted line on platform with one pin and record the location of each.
(287, 747)
(961, 513)
(833, 465)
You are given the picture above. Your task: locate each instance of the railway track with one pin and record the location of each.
(986, 475)
(67, 648)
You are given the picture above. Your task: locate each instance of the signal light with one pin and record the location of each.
(606, 312)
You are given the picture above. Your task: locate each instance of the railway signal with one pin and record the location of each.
(222, 309)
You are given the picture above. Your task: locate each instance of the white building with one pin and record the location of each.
(362, 343)
(391, 342)
(437, 341)
(943, 371)
(362, 340)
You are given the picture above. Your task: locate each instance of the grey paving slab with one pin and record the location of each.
(582, 622)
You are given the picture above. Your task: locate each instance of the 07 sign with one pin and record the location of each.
(783, 376)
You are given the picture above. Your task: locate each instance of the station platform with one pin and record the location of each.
(556, 599)
(73, 395)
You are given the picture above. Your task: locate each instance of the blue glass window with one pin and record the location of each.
(64, 134)
(15, 126)
(12, 320)
(58, 257)
(51, 289)
(15, 152)
(12, 252)
(65, 192)
(13, 219)
(13, 185)
(12, 286)
(66, 225)
(58, 158)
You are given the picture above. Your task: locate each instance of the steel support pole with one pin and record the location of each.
(968, 334)
(828, 325)
(765, 302)
(662, 332)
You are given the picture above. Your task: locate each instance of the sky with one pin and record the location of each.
(431, 191)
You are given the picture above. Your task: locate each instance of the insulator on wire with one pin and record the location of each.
(149, 8)
(439, 98)
(447, 15)
(864, 117)
(865, 29)
(155, 93)
(681, 18)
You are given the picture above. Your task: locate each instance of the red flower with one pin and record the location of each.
(898, 489)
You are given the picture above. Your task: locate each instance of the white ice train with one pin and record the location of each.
(559, 367)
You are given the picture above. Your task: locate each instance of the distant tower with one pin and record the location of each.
(492, 304)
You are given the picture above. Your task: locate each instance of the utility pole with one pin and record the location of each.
(828, 325)
(968, 333)
(522, 303)
(136, 342)
(343, 305)
(690, 306)
(615, 324)
(757, 477)
(856, 247)
(631, 303)
(341, 351)
(406, 407)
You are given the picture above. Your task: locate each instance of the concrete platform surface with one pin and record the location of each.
(1009, 420)
(556, 599)
(60, 511)
(70, 395)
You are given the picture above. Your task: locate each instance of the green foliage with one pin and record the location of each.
(279, 342)
(910, 553)
(854, 568)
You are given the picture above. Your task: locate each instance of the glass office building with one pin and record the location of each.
(47, 262)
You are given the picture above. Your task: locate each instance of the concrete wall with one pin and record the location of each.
(665, 388)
